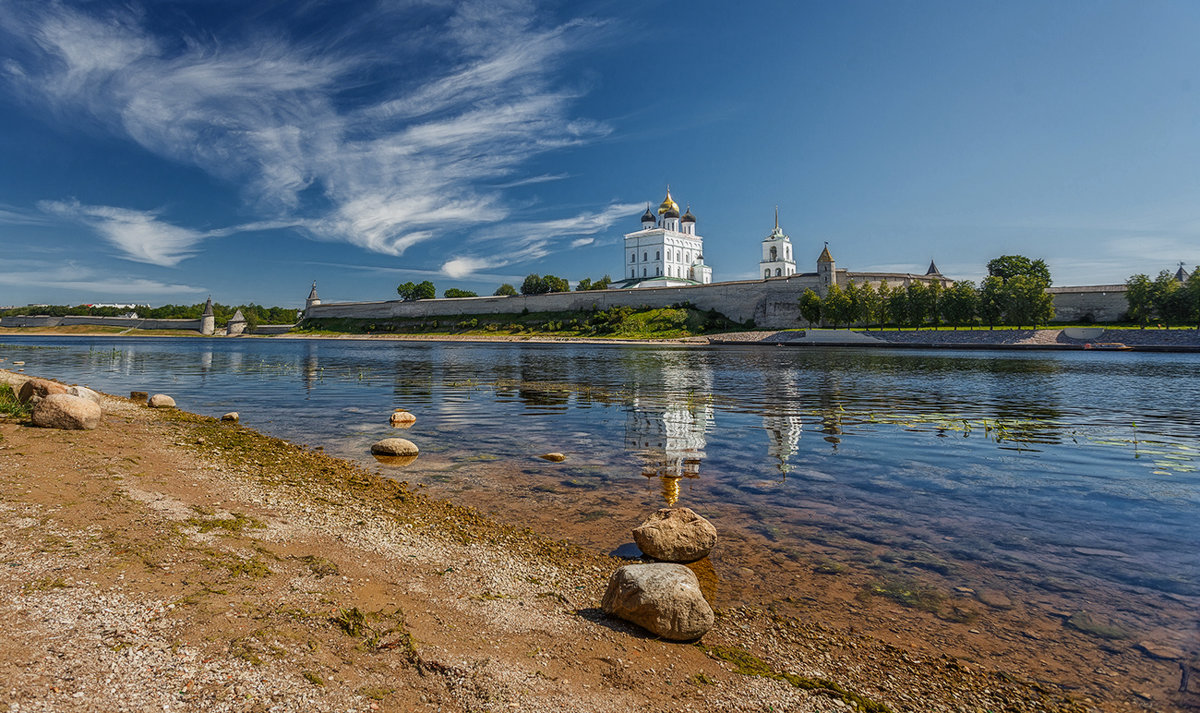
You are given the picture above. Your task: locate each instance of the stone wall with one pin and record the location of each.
(125, 322)
(1091, 303)
(772, 304)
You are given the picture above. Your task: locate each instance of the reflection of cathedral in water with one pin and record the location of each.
(667, 428)
(784, 427)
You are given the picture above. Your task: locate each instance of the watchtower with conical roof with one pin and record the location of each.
(208, 321)
(313, 300)
(826, 270)
(667, 251)
(777, 260)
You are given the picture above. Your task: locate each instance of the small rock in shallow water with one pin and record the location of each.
(138, 396)
(663, 598)
(402, 417)
(676, 535)
(161, 401)
(553, 457)
(395, 447)
(231, 416)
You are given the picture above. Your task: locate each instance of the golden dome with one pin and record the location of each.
(669, 205)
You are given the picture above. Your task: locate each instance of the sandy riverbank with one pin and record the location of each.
(170, 561)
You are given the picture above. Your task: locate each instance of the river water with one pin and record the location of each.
(1024, 487)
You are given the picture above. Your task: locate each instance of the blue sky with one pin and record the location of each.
(162, 151)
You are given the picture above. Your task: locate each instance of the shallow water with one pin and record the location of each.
(1071, 474)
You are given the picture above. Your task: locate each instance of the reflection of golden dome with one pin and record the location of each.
(669, 207)
(670, 490)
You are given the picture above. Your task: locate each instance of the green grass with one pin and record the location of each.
(9, 405)
(617, 322)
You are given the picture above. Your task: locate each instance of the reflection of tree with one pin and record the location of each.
(667, 427)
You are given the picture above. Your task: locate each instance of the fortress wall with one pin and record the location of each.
(1092, 303)
(37, 320)
(47, 321)
(773, 304)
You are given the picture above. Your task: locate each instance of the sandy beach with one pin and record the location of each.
(168, 561)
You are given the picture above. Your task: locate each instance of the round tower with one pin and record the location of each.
(313, 300)
(208, 321)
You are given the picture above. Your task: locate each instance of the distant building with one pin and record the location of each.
(666, 252)
(777, 259)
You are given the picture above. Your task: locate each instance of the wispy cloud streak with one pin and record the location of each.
(308, 132)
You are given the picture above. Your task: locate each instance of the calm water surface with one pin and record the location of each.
(1074, 471)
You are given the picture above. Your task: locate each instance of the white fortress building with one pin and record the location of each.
(666, 252)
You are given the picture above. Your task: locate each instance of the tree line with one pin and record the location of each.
(255, 314)
(1164, 300)
(534, 284)
(1013, 293)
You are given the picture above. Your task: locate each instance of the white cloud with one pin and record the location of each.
(463, 266)
(138, 234)
(141, 235)
(581, 242)
(60, 276)
(426, 156)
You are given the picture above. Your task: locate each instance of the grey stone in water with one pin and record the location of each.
(231, 416)
(395, 447)
(138, 396)
(84, 392)
(399, 417)
(161, 401)
(553, 457)
(66, 412)
(662, 598)
(676, 535)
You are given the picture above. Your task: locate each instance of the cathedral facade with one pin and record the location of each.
(666, 252)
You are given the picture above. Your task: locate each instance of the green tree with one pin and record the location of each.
(936, 293)
(1193, 296)
(960, 302)
(1139, 295)
(556, 284)
(835, 306)
(810, 307)
(897, 303)
(1028, 302)
(454, 292)
(993, 301)
(584, 285)
(410, 292)
(587, 284)
(1009, 266)
(534, 284)
(920, 303)
(505, 290)
(1170, 299)
(856, 309)
(884, 308)
(868, 300)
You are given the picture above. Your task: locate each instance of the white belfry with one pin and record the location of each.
(777, 259)
(666, 252)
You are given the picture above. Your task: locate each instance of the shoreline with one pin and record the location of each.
(1179, 340)
(246, 558)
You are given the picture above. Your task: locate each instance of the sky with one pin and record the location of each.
(160, 151)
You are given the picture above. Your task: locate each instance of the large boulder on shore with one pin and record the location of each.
(161, 401)
(676, 535)
(662, 598)
(395, 447)
(67, 412)
(39, 388)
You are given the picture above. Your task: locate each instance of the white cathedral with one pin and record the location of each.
(667, 251)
